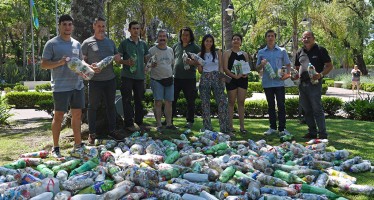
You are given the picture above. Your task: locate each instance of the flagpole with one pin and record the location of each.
(32, 40)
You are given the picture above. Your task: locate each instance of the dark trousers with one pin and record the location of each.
(132, 88)
(277, 93)
(98, 90)
(310, 99)
(188, 86)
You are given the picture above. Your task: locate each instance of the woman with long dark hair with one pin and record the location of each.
(210, 81)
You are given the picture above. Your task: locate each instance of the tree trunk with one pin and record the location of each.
(84, 12)
(227, 26)
(358, 59)
(295, 40)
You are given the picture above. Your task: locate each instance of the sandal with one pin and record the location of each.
(243, 131)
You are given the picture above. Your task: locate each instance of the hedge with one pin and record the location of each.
(360, 109)
(6, 85)
(257, 87)
(43, 87)
(26, 99)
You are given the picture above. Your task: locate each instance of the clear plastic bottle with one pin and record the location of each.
(196, 177)
(322, 180)
(361, 167)
(312, 72)
(105, 62)
(269, 69)
(77, 66)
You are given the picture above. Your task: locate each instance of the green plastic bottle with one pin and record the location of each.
(288, 177)
(18, 164)
(196, 167)
(217, 147)
(239, 174)
(305, 188)
(98, 188)
(45, 170)
(90, 164)
(67, 166)
(288, 156)
(168, 174)
(170, 159)
(227, 174)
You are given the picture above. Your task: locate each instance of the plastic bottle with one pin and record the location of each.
(269, 69)
(105, 62)
(63, 195)
(305, 188)
(311, 72)
(34, 172)
(98, 188)
(288, 177)
(43, 196)
(168, 174)
(316, 141)
(346, 165)
(38, 154)
(254, 190)
(196, 177)
(133, 68)
(89, 165)
(274, 191)
(185, 57)
(270, 180)
(187, 196)
(28, 178)
(288, 137)
(359, 189)
(321, 181)
(77, 66)
(282, 71)
(311, 196)
(62, 175)
(67, 166)
(32, 161)
(172, 157)
(341, 174)
(227, 174)
(317, 147)
(18, 164)
(341, 154)
(83, 197)
(288, 156)
(361, 167)
(207, 196)
(212, 173)
(45, 170)
(164, 194)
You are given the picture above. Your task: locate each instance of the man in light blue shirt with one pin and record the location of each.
(274, 86)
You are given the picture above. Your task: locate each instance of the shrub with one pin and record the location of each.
(292, 107)
(360, 109)
(292, 90)
(368, 87)
(331, 105)
(7, 89)
(21, 88)
(6, 85)
(27, 99)
(45, 105)
(253, 76)
(43, 87)
(255, 108)
(324, 88)
(249, 93)
(4, 112)
(255, 87)
(329, 82)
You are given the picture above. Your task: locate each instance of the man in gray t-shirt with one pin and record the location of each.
(103, 83)
(67, 86)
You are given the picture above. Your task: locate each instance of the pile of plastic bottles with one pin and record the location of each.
(205, 166)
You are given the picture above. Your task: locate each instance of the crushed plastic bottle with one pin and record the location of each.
(312, 72)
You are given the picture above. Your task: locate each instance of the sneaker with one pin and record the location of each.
(284, 132)
(309, 136)
(188, 125)
(322, 136)
(117, 135)
(91, 139)
(133, 128)
(270, 131)
(78, 151)
(171, 127)
(56, 152)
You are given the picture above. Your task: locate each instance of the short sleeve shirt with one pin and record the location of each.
(165, 60)
(277, 57)
(317, 56)
(179, 71)
(96, 50)
(62, 78)
(129, 49)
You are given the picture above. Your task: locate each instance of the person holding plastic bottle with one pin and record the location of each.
(67, 86)
(271, 60)
(211, 81)
(161, 69)
(103, 83)
(356, 74)
(237, 87)
(134, 53)
(310, 94)
(185, 73)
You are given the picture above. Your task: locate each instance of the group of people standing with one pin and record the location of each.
(172, 72)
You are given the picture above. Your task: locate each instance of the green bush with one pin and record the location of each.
(43, 87)
(21, 88)
(6, 85)
(4, 112)
(253, 76)
(360, 109)
(45, 105)
(331, 105)
(255, 87)
(292, 90)
(255, 108)
(292, 107)
(7, 89)
(26, 99)
(249, 93)
(368, 87)
(324, 88)
(329, 82)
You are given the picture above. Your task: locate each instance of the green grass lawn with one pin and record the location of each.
(355, 136)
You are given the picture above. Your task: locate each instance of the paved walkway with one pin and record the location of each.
(344, 94)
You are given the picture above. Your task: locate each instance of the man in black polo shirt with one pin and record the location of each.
(310, 94)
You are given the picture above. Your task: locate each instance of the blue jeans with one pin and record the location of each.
(310, 100)
(279, 94)
(98, 90)
(132, 88)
